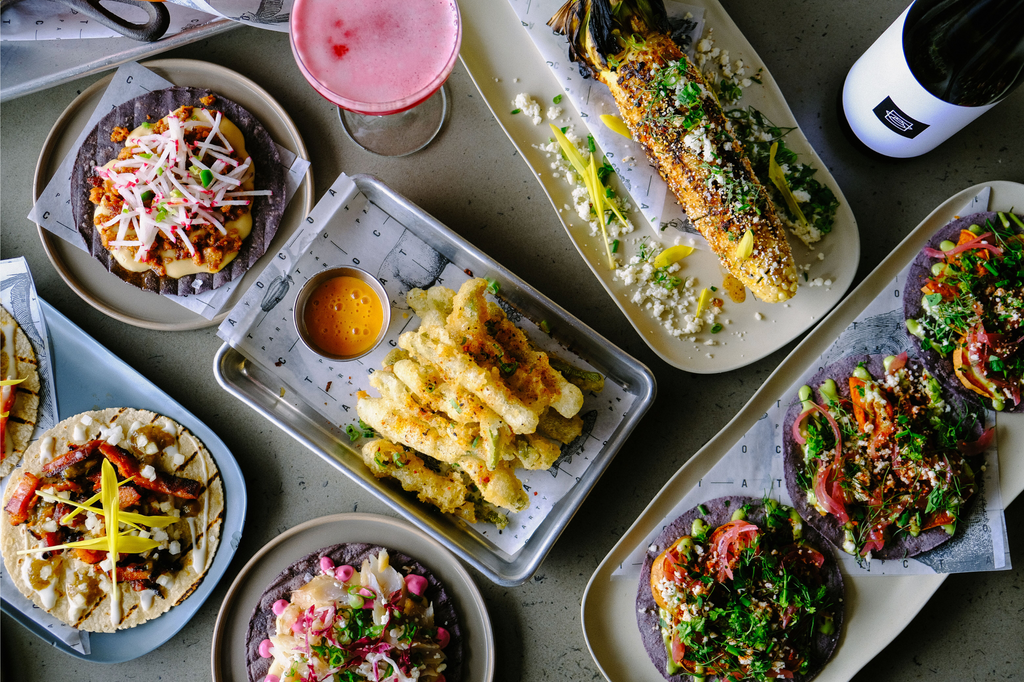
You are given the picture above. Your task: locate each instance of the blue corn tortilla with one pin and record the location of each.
(719, 512)
(898, 547)
(97, 149)
(262, 622)
(919, 274)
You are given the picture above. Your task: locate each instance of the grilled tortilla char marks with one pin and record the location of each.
(189, 515)
(19, 402)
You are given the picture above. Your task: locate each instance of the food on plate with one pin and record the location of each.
(675, 117)
(114, 517)
(465, 400)
(178, 191)
(738, 589)
(964, 306)
(882, 461)
(354, 612)
(19, 394)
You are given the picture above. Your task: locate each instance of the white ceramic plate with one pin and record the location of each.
(877, 609)
(228, 650)
(502, 60)
(87, 276)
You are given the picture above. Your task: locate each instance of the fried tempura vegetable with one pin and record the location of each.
(387, 459)
(469, 391)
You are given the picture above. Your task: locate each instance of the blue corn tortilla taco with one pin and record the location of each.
(727, 578)
(906, 473)
(964, 308)
(321, 584)
(201, 217)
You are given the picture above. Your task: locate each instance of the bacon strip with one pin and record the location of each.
(24, 498)
(56, 466)
(168, 484)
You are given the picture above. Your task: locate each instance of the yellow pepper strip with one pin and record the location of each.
(702, 302)
(111, 510)
(131, 518)
(66, 519)
(778, 179)
(592, 183)
(746, 245)
(128, 544)
(616, 124)
(599, 209)
(572, 154)
(671, 255)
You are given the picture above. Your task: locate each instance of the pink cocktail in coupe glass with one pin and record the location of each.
(383, 62)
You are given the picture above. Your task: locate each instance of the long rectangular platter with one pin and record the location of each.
(503, 61)
(259, 387)
(877, 608)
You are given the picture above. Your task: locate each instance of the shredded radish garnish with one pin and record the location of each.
(162, 184)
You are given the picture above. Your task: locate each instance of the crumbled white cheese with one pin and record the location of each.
(529, 106)
(148, 472)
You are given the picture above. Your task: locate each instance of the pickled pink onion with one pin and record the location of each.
(975, 243)
(978, 446)
(898, 363)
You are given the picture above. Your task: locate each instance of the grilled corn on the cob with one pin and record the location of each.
(675, 116)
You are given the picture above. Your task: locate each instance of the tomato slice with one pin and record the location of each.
(727, 542)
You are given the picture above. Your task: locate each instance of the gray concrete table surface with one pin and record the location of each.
(472, 179)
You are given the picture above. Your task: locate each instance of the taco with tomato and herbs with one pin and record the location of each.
(114, 517)
(964, 306)
(879, 458)
(739, 589)
(355, 612)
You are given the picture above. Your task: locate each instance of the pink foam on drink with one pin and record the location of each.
(375, 57)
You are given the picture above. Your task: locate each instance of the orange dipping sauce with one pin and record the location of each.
(343, 316)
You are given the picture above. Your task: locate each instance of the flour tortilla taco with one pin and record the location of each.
(689, 589)
(333, 602)
(909, 448)
(963, 308)
(19, 405)
(171, 222)
(170, 512)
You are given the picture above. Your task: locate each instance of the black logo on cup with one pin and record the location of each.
(893, 118)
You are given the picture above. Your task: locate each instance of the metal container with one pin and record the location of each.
(257, 386)
(302, 300)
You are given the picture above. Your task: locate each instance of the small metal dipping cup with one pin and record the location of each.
(309, 287)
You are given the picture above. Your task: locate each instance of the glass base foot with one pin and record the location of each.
(398, 134)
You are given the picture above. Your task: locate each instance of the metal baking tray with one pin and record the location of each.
(258, 387)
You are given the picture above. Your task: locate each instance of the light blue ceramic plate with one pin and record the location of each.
(89, 377)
